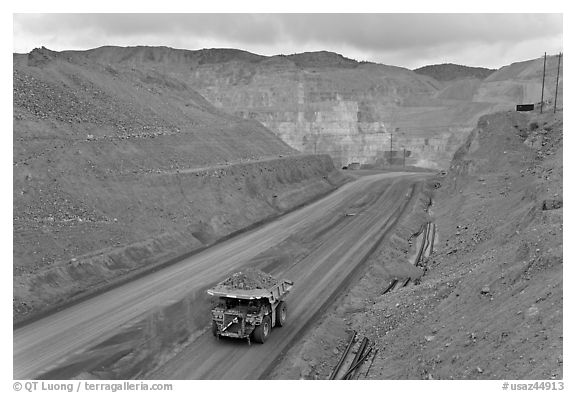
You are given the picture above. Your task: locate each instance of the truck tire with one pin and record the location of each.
(262, 331)
(214, 328)
(281, 314)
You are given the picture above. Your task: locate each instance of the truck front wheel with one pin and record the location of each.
(281, 314)
(262, 331)
(214, 328)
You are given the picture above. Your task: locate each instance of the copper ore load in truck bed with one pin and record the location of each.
(248, 279)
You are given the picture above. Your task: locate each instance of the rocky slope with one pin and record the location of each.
(448, 72)
(322, 102)
(115, 170)
(356, 112)
(522, 83)
(363, 112)
(318, 102)
(490, 302)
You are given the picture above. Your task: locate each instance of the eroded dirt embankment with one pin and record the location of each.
(208, 204)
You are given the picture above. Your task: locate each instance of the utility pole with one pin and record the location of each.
(391, 148)
(557, 77)
(316, 134)
(543, 78)
(404, 158)
(391, 133)
(315, 143)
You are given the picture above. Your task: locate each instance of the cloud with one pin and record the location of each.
(408, 39)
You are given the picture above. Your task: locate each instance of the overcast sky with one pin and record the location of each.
(407, 40)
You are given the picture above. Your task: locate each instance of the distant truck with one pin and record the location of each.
(250, 312)
(352, 166)
(524, 107)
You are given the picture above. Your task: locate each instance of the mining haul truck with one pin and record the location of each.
(249, 312)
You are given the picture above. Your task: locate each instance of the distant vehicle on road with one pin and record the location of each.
(525, 107)
(249, 313)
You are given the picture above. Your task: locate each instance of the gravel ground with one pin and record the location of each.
(249, 279)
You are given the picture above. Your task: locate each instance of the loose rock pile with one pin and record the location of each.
(250, 279)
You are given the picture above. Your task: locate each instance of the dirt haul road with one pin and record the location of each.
(379, 201)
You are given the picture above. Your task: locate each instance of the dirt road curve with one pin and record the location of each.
(379, 201)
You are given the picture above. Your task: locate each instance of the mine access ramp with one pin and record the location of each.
(250, 303)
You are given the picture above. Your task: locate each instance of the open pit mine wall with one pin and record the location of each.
(352, 113)
(352, 126)
(339, 133)
(225, 200)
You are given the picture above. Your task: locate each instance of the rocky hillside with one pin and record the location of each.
(318, 102)
(356, 112)
(489, 300)
(322, 102)
(448, 72)
(116, 168)
(522, 83)
(89, 100)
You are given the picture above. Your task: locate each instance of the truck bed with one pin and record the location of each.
(276, 291)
